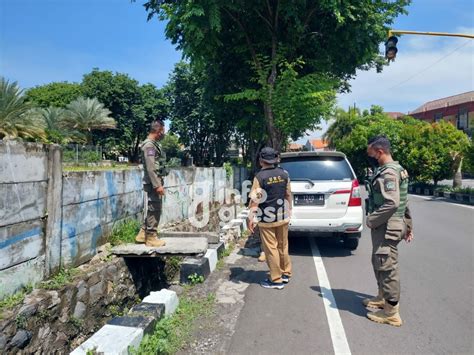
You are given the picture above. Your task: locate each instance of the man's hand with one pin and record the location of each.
(250, 225)
(160, 190)
(409, 236)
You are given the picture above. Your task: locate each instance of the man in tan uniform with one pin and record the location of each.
(390, 221)
(153, 163)
(271, 206)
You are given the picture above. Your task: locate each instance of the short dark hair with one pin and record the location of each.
(156, 125)
(380, 142)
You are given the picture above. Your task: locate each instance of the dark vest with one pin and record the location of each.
(403, 186)
(274, 181)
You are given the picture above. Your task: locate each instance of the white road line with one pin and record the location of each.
(338, 335)
(440, 200)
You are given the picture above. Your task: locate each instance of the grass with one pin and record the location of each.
(97, 168)
(15, 299)
(124, 232)
(195, 279)
(172, 333)
(63, 277)
(226, 252)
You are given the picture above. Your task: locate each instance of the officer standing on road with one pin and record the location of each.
(271, 206)
(153, 159)
(390, 221)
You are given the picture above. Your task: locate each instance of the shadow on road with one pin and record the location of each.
(329, 247)
(346, 300)
(239, 274)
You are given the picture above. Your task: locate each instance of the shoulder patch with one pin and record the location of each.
(390, 184)
(150, 152)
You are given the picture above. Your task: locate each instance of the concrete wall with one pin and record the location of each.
(51, 219)
(92, 203)
(23, 200)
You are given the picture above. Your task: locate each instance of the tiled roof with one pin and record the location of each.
(445, 102)
(318, 143)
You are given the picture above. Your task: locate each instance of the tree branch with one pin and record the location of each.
(308, 18)
(247, 38)
(269, 8)
(265, 20)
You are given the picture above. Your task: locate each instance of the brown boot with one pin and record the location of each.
(376, 302)
(389, 315)
(152, 240)
(262, 257)
(140, 238)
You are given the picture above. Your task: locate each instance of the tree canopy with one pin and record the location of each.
(315, 46)
(429, 151)
(55, 94)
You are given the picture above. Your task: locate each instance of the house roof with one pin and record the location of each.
(445, 102)
(295, 146)
(395, 115)
(318, 143)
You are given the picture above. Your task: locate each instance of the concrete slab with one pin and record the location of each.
(191, 266)
(211, 255)
(147, 323)
(220, 248)
(111, 339)
(165, 297)
(156, 310)
(212, 237)
(174, 246)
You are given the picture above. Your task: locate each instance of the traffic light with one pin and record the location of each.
(391, 48)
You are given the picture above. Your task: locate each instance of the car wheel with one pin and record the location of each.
(350, 243)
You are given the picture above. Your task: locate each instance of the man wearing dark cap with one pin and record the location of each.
(390, 221)
(271, 209)
(153, 159)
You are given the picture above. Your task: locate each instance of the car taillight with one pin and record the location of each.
(355, 199)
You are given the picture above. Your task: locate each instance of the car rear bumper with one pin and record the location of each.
(352, 222)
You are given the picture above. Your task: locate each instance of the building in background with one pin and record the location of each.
(295, 147)
(314, 145)
(457, 109)
(395, 115)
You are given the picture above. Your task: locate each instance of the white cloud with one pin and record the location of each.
(426, 68)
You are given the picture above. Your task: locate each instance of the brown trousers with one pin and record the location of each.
(275, 247)
(385, 240)
(154, 206)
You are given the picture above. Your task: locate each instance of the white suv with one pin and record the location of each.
(326, 195)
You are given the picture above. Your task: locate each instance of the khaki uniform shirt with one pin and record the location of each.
(150, 163)
(388, 185)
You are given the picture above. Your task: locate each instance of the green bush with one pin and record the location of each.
(124, 232)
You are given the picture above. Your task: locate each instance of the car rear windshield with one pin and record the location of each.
(318, 168)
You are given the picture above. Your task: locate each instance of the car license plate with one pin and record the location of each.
(309, 200)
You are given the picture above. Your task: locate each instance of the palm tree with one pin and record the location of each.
(52, 120)
(15, 118)
(86, 115)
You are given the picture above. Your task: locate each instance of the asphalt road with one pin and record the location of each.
(436, 303)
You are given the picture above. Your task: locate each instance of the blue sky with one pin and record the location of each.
(60, 40)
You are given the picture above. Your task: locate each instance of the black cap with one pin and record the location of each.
(269, 155)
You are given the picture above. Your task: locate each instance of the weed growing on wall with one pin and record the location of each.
(124, 232)
(60, 279)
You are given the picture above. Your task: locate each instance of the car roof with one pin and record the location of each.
(312, 154)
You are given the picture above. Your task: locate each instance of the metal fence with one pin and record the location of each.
(77, 153)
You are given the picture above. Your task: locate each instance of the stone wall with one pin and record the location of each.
(56, 321)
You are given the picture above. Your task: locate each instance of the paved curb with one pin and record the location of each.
(127, 331)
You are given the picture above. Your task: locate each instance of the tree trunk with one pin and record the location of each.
(457, 180)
